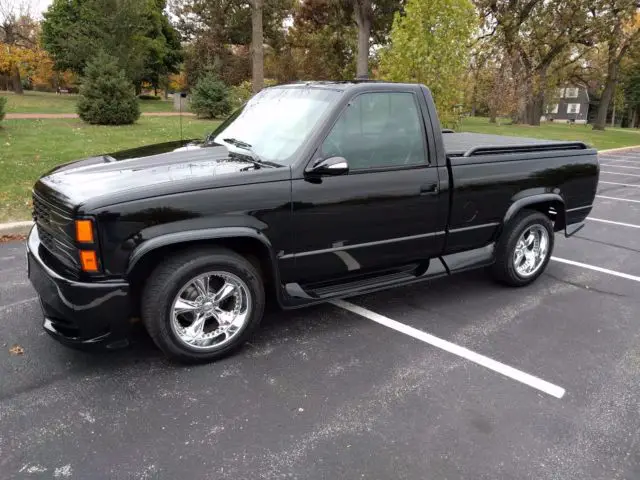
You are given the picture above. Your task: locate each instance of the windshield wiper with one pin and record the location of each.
(255, 157)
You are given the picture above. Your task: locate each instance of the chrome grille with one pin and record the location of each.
(55, 228)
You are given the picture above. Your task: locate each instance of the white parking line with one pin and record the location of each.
(619, 199)
(623, 184)
(15, 304)
(621, 173)
(612, 222)
(597, 269)
(618, 166)
(506, 370)
(619, 160)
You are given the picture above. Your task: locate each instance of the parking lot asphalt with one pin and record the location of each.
(325, 393)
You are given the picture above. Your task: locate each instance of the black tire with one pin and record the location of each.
(503, 270)
(167, 280)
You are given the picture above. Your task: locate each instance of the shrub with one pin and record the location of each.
(240, 94)
(106, 96)
(3, 103)
(148, 97)
(210, 97)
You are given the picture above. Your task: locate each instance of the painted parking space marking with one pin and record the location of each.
(499, 367)
(597, 269)
(15, 304)
(621, 184)
(620, 173)
(622, 224)
(617, 160)
(619, 166)
(618, 199)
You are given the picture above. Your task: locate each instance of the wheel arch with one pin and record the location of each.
(247, 242)
(550, 204)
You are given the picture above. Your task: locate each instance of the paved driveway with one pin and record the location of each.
(546, 386)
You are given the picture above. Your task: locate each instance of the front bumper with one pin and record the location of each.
(75, 313)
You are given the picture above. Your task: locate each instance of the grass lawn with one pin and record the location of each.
(42, 102)
(610, 138)
(29, 148)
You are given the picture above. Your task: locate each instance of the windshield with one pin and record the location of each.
(275, 122)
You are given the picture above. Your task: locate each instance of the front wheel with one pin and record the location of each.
(201, 305)
(524, 249)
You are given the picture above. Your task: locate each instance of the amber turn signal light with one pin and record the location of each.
(88, 260)
(84, 231)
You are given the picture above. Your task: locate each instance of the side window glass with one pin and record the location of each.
(378, 130)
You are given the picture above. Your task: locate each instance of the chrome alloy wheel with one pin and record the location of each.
(531, 250)
(210, 310)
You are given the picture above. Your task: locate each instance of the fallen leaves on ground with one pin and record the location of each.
(12, 238)
(16, 350)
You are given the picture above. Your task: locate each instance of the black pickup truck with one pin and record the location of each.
(309, 192)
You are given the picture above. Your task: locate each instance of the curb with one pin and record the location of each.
(621, 149)
(15, 228)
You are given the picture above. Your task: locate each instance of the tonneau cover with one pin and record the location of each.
(460, 143)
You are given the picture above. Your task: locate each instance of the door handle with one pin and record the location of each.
(429, 189)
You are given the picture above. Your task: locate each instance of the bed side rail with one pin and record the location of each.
(497, 149)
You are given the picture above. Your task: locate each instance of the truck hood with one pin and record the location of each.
(74, 183)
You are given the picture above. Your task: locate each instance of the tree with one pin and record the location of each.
(429, 45)
(618, 30)
(136, 32)
(373, 19)
(219, 33)
(364, 15)
(3, 104)
(107, 97)
(210, 97)
(17, 34)
(257, 47)
(532, 34)
(321, 43)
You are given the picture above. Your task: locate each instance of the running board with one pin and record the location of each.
(437, 267)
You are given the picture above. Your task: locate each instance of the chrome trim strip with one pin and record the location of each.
(359, 245)
(579, 208)
(474, 227)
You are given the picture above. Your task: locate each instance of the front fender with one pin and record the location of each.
(177, 238)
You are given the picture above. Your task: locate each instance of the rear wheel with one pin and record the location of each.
(202, 305)
(524, 249)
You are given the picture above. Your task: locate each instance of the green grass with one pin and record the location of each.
(29, 148)
(42, 102)
(610, 138)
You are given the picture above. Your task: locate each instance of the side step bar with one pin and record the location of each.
(437, 267)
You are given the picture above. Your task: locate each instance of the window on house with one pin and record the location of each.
(573, 108)
(560, 93)
(571, 93)
(552, 108)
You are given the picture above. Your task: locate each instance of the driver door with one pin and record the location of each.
(386, 211)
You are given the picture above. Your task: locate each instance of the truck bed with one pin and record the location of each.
(469, 144)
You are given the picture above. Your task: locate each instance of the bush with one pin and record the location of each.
(106, 96)
(3, 104)
(148, 97)
(210, 97)
(240, 94)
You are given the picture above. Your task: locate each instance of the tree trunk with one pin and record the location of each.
(16, 80)
(362, 9)
(257, 46)
(492, 116)
(607, 95)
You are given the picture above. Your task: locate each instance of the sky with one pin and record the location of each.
(40, 6)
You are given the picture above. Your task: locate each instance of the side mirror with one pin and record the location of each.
(331, 166)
